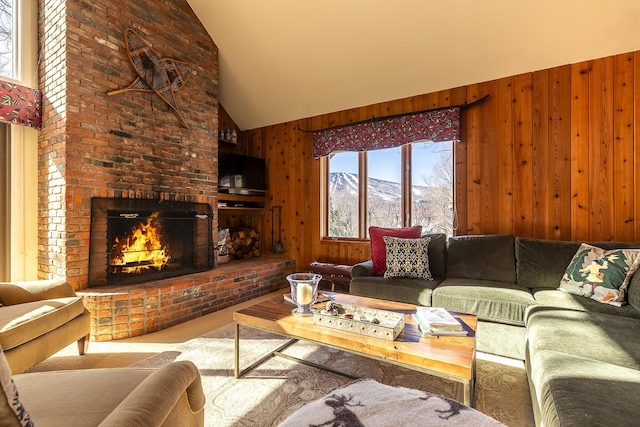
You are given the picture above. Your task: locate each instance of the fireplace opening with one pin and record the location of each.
(139, 240)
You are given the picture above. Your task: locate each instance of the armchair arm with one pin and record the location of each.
(160, 399)
(37, 290)
(362, 269)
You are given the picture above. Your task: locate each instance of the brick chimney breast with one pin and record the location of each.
(131, 145)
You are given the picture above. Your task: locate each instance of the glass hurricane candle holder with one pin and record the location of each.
(304, 292)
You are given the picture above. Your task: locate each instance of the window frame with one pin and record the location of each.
(405, 183)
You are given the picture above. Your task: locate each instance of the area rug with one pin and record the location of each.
(275, 389)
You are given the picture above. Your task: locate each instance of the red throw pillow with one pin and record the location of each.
(379, 249)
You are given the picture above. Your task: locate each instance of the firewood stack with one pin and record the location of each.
(243, 243)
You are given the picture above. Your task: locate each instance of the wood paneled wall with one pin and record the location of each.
(550, 154)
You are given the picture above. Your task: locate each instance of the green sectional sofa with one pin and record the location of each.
(582, 356)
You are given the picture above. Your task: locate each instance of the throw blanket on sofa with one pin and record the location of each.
(367, 403)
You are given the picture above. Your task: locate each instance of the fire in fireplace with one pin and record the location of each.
(137, 240)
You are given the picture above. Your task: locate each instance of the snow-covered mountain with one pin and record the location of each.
(386, 190)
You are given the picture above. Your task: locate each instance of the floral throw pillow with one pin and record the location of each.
(602, 275)
(407, 258)
(11, 410)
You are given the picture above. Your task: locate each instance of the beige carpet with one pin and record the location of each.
(275, 389)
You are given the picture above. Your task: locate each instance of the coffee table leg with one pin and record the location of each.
(470, 394)
(470, 387)
(237, 372)
(236, 353)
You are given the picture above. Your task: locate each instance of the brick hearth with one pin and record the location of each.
(129, 311)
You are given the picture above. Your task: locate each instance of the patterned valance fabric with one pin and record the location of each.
(437, 125)
(20, 105)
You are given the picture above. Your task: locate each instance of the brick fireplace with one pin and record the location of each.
(130, 146)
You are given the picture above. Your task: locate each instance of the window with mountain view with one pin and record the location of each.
(344, 183)
(7, 8)
(386, 196)
(384, 191)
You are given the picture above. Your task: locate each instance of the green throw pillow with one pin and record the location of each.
(602, 275)
(407, 258)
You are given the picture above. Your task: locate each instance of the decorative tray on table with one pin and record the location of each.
(370, 322)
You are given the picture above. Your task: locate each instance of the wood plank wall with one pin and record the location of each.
(550, 154)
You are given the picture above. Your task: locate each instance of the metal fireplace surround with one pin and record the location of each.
(140, 240)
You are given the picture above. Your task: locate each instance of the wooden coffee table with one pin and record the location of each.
(447, 357)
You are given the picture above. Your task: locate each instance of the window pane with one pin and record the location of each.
(343, 195)
(6, 38)
(432, 186)
(384, 192)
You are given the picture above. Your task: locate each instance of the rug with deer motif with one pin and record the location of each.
(273, 391)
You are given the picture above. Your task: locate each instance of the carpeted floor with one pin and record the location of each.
(275, 389)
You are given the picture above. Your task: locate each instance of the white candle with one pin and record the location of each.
(304, 294)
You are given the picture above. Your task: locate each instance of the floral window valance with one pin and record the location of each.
(437, 125)
(20, 105)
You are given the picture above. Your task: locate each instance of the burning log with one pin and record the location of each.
(243, 243)
(141, 249)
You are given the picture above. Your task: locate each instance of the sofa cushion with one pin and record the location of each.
(576, 391)
(362, 269)
(555, 298)
(437, 254)
(540, 263)
(401, 289)
(597, 336)
(71, 395)
(23, 322)
(407, 258)
(379, 248)
(490, 257)
(633, 291)
(12, 411)
(602, 275)
(489, 300)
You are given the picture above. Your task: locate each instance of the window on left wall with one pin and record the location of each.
(8, 38)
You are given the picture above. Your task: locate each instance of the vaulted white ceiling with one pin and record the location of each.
(282, 60)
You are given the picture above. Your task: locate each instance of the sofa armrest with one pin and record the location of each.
(362, 269)
(12, 293)
(172, 395)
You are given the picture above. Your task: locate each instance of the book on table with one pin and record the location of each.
(438, 321)
(428, 330)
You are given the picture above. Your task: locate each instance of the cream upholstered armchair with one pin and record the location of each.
(169, 396)
(39, 318)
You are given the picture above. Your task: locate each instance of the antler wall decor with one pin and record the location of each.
(164, 76)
